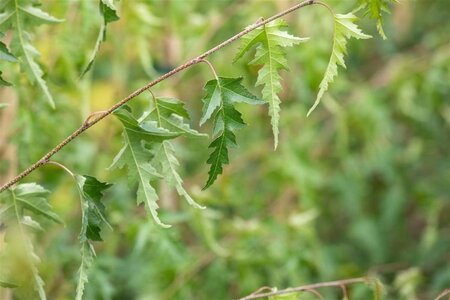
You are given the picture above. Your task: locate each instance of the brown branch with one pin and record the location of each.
(180, 68)
(308, 288)
(444, 293)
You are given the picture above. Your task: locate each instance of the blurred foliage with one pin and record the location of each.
(362, 186)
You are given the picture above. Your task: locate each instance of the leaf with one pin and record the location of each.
(375, 9)
(140, 141)
(87, 258)
(270, 53)
(93, 211)
(109, 14)
(6, 284)
(5, 54)
(3, 82)
(221, 95)
(39, 14)
(93, 214)
(31, 196)
(3, 105)
(344, 29)
(169, 113)
(21, 17)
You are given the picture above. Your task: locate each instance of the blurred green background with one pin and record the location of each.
(361, 187)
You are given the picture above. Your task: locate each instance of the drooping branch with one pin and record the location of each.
(180, 68)
(306, 288)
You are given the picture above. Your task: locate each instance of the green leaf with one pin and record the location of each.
(270, 53)
(169, 113)
(22, 16)
(3, 105)
(221, 95)
(141, 142)
(87, 258)
(93, 211)
(7, 284)
(93, 214)
(374, 9)
(109, 14)
(32, 196)
(3, 82)
(39, 14)
(5, 54)
(344, 29)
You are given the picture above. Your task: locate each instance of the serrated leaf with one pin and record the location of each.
(28, 221)
(5, 54)
(21, 17)
(87, 258)
(140, 141)
(32, 196)
(169, 113)
(221, 95)
(375, 9)
(109, 14)
(39, 14)
(91, 191)
(93, 214)
(29, 196)
(270, 41)
(344, 29)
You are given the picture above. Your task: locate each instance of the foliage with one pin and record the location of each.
(22, 17)
(362, 177)
(109, 14)
(344, 29)
(374, 9)
(270, 54)
(219, 103)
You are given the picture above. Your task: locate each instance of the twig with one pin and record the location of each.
(308, 288)
(139, 91)
(444, 293)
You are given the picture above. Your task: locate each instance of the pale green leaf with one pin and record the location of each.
(87, 258)
(109, 14)
(7, 284)
(169, 113)
(140, 141)
(39, 14)
(374, 9)
(3, 105)
(22, 17)
(270, 40)
(344, 29)
(221, 95)
(32, 197)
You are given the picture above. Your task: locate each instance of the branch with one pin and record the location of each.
(307, 288)
(180, 68)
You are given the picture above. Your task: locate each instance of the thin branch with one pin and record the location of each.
(444, 293)
(308, 288)
(139, 91)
